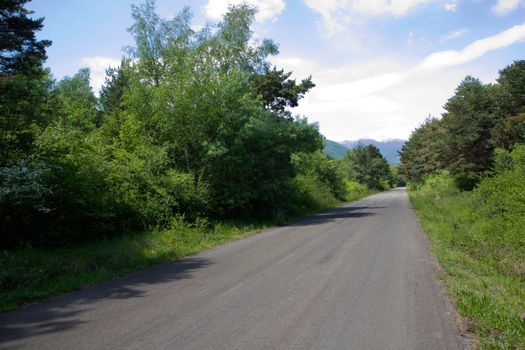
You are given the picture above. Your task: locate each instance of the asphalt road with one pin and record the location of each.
(356, 277)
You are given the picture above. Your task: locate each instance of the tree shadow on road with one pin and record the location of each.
(335, 214)
(63, 313)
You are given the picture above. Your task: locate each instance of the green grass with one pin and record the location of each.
(482, 252)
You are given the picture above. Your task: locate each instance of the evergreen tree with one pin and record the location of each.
(24, 85)
(368, 166)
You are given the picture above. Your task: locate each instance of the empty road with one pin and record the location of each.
(355, 277)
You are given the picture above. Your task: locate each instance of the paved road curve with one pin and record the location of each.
(356, 277)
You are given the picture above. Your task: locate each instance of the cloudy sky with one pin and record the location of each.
(381, 66)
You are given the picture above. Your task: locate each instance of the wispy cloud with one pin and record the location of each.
(97, 66)
(451, 6)
(266, 9)
(454, 34)
(335, 13)
(504, 7)
(475, 50)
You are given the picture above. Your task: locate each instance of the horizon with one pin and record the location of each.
(380, 68)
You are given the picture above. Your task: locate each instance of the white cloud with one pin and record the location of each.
(97, 66)
(504, 7)
(329, 9)
(454, 34)
(451, 6)
(266, 9)
(335, 13)
(385, 98)
(475, 50)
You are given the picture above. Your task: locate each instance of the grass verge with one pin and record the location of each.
(483, 264)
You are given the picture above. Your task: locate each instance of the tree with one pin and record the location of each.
(422, 153)
(24, 85)
(367, 166)
(277, 91)
(512, 81)
(20, 52)
(77, 101)
(118, 81)
(510, 104)
(469, 118)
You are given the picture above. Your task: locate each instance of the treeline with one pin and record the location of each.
(191, 124)
(481, 121)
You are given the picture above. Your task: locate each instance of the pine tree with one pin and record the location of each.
(24, 84)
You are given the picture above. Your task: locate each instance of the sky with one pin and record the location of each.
(381, 67)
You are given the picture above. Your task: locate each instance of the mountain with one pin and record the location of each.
(334, 149)
(389, 148)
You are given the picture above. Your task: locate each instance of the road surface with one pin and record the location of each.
(355, 277)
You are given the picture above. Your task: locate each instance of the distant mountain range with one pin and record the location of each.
(389, 148)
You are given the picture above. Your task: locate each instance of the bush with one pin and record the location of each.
(24, 199)
(500, 202)
(311, 195)
(355, 190)
(438, 185)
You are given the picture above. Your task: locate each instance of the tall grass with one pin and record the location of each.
(479, 239)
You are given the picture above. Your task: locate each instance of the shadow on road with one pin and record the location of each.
(337, 213)
(62, 313)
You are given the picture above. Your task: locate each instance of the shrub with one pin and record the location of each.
(312, 195)
(355, 190)
(438, 184)
(24, 199)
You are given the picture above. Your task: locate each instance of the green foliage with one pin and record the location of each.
(355, 190)
(438, 184)
(277, 91)
(24, 85)
(501, 201)
(395, 179)
(367, 166)
(311, 195)
(478, 119)
(24, 197)
(327, 171)
(420, 155)
(77, 103)
(20, 52)
(512, 82)
(118, 81)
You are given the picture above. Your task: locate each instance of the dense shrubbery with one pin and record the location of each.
(500, 203)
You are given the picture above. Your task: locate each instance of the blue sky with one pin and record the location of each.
(381, 66)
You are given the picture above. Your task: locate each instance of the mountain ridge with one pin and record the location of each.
(389, 148)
